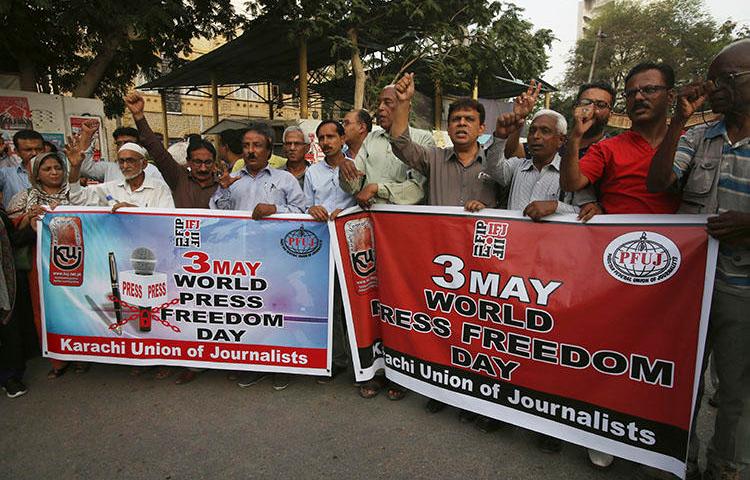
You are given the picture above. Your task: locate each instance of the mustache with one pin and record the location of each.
(640, 104)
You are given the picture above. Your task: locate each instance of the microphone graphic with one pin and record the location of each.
(143, 262)
(115, 283)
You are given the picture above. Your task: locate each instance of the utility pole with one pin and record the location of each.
(599, 37)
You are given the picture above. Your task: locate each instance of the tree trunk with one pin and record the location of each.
(94, 74)
(358, 69)
(27, 71)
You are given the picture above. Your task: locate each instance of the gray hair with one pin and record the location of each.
(561, 123)
(294, 128)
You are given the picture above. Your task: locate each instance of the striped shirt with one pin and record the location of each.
(733, 193)
(527, 184)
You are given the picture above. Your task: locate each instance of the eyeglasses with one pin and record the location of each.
(647, 91)
(729, 79)
(205, 163)
(599, 104)
(294, 144)
(129, 160)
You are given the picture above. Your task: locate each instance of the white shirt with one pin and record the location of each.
(151, 194)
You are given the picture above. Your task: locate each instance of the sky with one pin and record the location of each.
(562, 19)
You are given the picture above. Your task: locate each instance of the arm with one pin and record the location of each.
(661, 173)
(308, 191)
(351, 173)
(497, 166)
(571, 178)
(415, 156)
(221, 199)
(295, 199)
(522, 106)
(170, 169)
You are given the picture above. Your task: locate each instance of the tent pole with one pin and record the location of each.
(303, 113)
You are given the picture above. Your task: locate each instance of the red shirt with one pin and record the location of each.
(619, 167)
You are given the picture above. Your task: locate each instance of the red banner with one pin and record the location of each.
(590, 333)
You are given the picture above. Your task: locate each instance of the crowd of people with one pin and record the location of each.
(655, 167)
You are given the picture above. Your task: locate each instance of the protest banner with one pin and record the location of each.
(590, 333)
(186, 287)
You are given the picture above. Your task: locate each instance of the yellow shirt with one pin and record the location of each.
(274, 162)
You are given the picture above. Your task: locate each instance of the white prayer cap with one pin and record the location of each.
(133, 147)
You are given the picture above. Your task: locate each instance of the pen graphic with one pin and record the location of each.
(115, 287)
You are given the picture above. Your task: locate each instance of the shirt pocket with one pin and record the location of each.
(701, 178)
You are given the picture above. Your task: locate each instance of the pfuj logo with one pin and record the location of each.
(66, 251)
(301, 242)
(642, 258)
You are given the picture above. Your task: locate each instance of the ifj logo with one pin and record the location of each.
(66, 251)
(641, 258)
(301, 242)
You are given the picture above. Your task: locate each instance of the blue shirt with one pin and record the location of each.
(272, 186)
(12, 181)
(322, 188)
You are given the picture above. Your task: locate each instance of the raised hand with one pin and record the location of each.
(583, 119)
(405, 88)
(690, 98)
(524, 103)
(135, 104)
(74, 151)
(508, 123)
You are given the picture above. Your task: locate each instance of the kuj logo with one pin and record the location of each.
(301, 242)
(361, 242)
(642, 258)
(66, 251)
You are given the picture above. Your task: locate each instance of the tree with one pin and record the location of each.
(97, 48)
(678, 32)
(455, 41)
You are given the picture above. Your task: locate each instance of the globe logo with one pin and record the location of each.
(641, 258)
(301, 242)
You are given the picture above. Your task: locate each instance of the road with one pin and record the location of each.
(107, 424)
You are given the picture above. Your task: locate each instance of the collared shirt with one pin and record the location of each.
(322, 188)
(186, 191)
(151, 194)
(696, 170)
(450, 182)
(527, 184)
(270, 185)
(618, 167)
(397, 183)
(12, 181)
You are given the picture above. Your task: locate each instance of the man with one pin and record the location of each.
(534, 182)
(296, 146)
(357, 125)
(376, 175)
(135, 190)
(105, 171)
(257, 187)
(191, 188)
(710, 164)
(14, 179)
(324, 198)
(618, 166)
(230, 147)
(453, 173)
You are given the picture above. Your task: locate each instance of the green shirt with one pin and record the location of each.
(397, 183)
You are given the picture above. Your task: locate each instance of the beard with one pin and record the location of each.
(132, 176)
(596, 129)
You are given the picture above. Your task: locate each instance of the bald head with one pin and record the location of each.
(730, 73)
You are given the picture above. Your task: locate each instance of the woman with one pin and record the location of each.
(49, 188)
